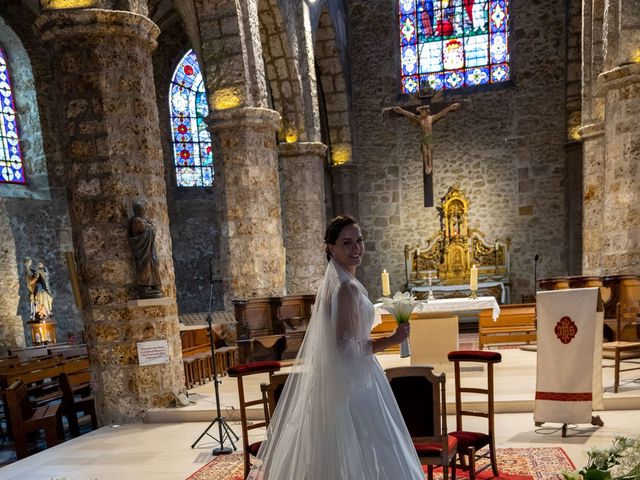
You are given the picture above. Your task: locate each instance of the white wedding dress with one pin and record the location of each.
(337, 418)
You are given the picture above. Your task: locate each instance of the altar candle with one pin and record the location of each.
(474, 278)
(386, 289)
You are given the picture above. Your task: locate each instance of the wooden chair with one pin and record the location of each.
(239, 372)
(627, 326)
(25, 419)
(422, 400)
(470, 443)
(72, 405)
(271, 394)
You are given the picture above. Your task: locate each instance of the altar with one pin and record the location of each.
(434, 327)
(443, 262)
(457, 291)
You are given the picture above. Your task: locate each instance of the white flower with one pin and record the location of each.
(400, 306)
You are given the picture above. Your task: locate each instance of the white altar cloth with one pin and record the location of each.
(434, 327)
(452, 288)
(449, 306)
(569, 358)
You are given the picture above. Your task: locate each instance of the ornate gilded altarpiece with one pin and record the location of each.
(449, 254)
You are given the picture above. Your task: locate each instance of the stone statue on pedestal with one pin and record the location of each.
(142, 238)
(40, 295)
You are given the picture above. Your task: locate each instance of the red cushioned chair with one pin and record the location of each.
(423, 403)
(239, 372)
(470, 443)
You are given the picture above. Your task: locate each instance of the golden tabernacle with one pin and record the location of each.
(448, 255)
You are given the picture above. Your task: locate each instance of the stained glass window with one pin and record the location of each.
(448, 44)
(193, 158)
(11, 166)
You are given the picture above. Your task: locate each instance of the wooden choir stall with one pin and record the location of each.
(271, 328)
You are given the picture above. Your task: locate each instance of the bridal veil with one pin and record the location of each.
(337, 417)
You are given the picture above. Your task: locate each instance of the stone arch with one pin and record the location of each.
(333, 87)
(26, 104)
(282, 71)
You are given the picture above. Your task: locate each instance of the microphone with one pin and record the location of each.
(535, 259)
(535, 272)
(211, 270)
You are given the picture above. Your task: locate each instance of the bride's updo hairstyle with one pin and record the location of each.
(334, 229)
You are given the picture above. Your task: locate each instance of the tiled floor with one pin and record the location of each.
(163, 450)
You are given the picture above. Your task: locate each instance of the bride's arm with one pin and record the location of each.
(398, 335)
(347, 318)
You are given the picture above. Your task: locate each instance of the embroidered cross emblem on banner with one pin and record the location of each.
(566, 330)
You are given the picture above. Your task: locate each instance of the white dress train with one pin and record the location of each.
(337, 418)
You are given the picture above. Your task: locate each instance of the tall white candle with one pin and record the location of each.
(386, 289)
(474, 278)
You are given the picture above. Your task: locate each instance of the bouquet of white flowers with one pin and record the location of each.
(400, 308)
(621, 461)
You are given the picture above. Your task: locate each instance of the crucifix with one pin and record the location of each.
(425, 119)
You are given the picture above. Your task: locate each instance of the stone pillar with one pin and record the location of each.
(619, 84)
(621, 249)
(109, 126)
(303, 214)
(344, 189)
(593, 198)
(248, 192)
(11, 325)
(591, 133)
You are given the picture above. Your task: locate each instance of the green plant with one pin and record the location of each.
(621, 461)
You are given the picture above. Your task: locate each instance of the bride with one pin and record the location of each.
(337, 417)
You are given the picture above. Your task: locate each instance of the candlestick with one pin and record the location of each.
(386, 289)
(430, 296)
(473, 283)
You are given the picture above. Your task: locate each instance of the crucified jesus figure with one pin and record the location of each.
(426, 120)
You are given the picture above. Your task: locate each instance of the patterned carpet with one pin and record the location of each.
(514, 464)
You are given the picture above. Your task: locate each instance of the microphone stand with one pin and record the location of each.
(223, 428)
(535, 274)
(535, 285)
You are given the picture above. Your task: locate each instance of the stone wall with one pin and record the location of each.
(33, 215)
(193, 216)
(504, 149)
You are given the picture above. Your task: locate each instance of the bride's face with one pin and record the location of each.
(349, 248)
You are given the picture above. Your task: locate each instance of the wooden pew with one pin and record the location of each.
(23, 418)
(516, 324)
(71, 384)
(196, 354)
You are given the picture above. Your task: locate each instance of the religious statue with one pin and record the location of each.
(40, 296)
(142, 238)
(425, 119)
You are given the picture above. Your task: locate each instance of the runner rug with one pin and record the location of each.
(513, 463)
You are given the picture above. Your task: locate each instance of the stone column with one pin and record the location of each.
(248, 192)
(111, 142)
(303, 214)
(619, 84)
(344, 189)
(11, 325)
(591, 132)
(621, 249)
(592, 198)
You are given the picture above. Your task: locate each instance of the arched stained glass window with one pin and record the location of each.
(448, 44)
(11, 166)
(188, 106)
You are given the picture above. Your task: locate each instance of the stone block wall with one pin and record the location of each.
(504, 149)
